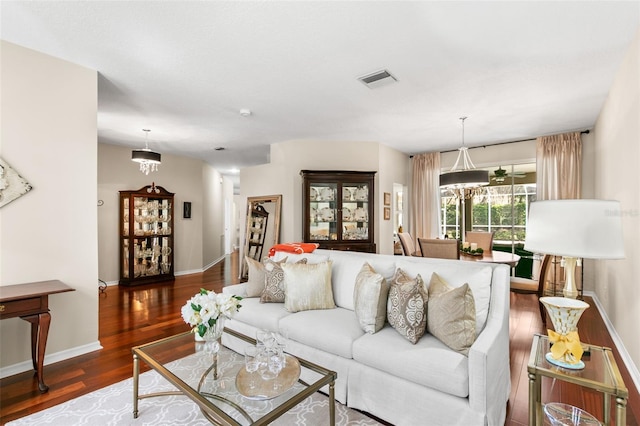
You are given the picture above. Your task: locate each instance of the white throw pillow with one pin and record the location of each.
(370, 299)
(307, 286)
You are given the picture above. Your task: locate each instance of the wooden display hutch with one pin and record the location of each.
(338, 209)
(146, 236)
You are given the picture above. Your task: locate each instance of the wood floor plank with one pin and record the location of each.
(131, 316)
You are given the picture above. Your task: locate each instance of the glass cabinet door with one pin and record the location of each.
(323, 212)
(355, 211)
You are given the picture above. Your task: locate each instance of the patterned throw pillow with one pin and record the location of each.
(273, 291)
(407, 306)
(370, 299)
(452, 314)
(308, 286)
(255, 283)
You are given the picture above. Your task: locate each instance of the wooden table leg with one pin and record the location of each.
(39, 333)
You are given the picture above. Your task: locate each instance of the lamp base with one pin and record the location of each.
(578, 366)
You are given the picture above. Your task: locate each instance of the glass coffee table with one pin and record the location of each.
(224, 391)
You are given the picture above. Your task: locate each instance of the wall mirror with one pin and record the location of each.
(263, 228)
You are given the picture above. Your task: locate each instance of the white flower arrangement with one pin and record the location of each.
(203, 310)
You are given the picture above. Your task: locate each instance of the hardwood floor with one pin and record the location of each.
(133, 316)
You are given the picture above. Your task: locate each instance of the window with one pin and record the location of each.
(501, 207)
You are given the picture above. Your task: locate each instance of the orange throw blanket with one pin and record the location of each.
(297, 248)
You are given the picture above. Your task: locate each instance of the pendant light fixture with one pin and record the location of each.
(148, 159)
(464, 179)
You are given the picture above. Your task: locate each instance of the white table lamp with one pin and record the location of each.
(574, 229)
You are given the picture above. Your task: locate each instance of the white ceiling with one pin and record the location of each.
(185, 69)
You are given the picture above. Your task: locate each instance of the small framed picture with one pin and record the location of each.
(387, 199)
(387, 213)
(186, 210)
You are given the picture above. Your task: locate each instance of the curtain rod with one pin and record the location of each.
(584, 132)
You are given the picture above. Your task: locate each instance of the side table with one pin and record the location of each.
(30, 302)
(600, 373)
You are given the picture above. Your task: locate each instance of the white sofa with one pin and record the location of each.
(383, 373)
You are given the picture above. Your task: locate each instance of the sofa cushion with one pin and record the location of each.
(407, 306)
(428, 363)
(273, 291)
(456, 273)
(307, 286)
(370, 299)
(346, 267)
(451, 314)
(260, 315)
(329, 330)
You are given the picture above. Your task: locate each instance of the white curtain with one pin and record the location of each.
(558, 166)
(425, 196)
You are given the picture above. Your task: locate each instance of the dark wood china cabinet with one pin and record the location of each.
(338, 209)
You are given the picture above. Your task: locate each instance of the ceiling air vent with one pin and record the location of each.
(377, 79)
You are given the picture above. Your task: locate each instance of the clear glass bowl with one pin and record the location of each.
(560, 414)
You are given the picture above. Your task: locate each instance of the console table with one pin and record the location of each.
(30, 302)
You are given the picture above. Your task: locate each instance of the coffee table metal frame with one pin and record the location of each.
(211, 411)
(600, 373)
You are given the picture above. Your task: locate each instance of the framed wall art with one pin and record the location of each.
(387, 213)
(12, 185)
(387, 198)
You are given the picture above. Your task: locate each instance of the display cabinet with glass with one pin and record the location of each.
(146, 236)
(338, 209)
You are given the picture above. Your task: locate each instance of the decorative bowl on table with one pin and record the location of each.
(560, 414)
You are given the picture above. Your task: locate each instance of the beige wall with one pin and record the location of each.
(180, 175)
(616, 162)
(395, 168)
(282, 176)
(48, 134)
(217, 197)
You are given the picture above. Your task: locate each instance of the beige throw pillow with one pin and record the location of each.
(273, 291)
(308, 286)
(255, 282)
(407, 306)
(452, 314)
(370, 299)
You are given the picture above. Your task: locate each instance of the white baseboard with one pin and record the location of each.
(21, 367)
(177, 274)
(215, 262)
(626, 358)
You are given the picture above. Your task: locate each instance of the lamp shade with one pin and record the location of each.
(145, 156)
(464, 179)
(590, 229)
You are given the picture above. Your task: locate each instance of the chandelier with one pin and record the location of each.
(148, 159)
(464, 180)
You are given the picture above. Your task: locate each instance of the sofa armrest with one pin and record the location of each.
(236, 289)
(489, 372)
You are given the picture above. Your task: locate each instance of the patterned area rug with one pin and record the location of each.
(113, 405)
